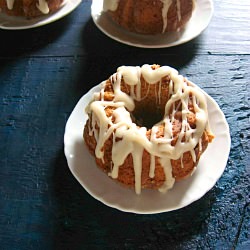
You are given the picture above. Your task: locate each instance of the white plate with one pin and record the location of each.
(20, 23)
(200, 19)
(108, 191)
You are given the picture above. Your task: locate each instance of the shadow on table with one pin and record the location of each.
(116, 54)
(81, 221)
(26, 42)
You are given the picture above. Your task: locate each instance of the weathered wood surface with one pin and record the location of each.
(43, 73)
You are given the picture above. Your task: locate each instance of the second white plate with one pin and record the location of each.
(109, 192)
(200, 19)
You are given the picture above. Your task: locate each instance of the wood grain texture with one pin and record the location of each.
(44, 72)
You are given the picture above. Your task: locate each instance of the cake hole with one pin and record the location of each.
(147, 118)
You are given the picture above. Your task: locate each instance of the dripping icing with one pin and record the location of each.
(133, 140)
(178, 6)
(42, 5)
(112, 5)
(10, 4)
(166, 6)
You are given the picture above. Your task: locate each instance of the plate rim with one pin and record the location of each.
(96, 16)
(152, 211)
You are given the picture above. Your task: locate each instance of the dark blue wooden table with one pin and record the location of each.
(44, 72)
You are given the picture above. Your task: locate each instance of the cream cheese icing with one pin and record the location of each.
(10, 4)
(110, 5)
(133, 139)
(42, 5)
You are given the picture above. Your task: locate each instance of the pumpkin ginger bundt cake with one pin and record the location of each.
(29, 8)
(147, 127)
(149, 17)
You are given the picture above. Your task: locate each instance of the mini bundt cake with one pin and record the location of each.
(29, 8)
(147, 127)
(150, 17)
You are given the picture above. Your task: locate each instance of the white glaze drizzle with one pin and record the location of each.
(133, 140)
(112, 5)
(178, 6)
(10, 4)
(166, 6)
(42, 5)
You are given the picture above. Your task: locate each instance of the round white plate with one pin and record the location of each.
(20, 23)
(108, 191)
(200, 19)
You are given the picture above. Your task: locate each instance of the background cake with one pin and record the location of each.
(149, 17)
(29, 8)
